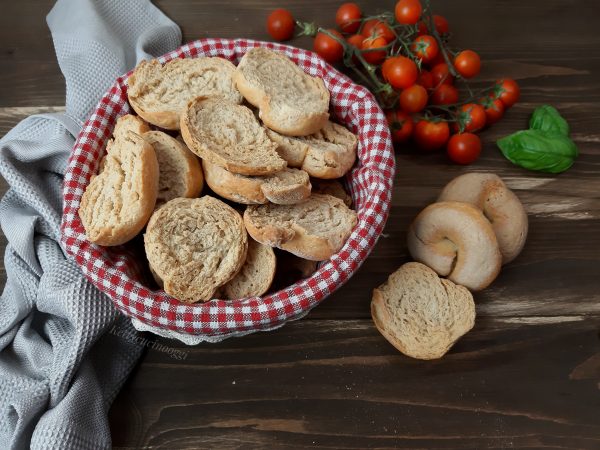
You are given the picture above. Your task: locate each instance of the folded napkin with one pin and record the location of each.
(60, 366)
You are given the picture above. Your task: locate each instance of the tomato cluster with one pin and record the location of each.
(404, 58)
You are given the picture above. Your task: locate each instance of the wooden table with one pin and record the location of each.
(527, 376)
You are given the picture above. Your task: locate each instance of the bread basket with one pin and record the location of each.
(117, 271)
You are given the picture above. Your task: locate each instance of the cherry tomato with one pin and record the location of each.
(413, 99)
(472, 116)
(431, 135)
(378, 28)
(441, 75)
(408, 12)
(439, 59)
(510, 92)
(467, 63)
(401, 125)
(464, 148)
(425, 48)
(400, 71)
(375, 57)
(444, 94)
(348, 17)
(494, 109)
(441, 24)
(280, 24)
(425, 79)
(328, 48)
(356, 40)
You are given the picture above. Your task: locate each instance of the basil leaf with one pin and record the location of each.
(536, 150)
(546, 118)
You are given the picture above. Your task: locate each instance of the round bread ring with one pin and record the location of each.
(458, 242)
(499, 205)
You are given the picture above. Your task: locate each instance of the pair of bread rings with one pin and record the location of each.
(477, 225)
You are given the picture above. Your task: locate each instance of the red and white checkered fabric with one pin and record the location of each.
(116, 270)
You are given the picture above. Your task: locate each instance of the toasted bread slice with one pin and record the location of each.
(290, 101)
(314, 229)
(129, 122)
(286, 187)
(229, 136)
(180, 170)
(332, 187)
(255, 276)
(159, 93)
(118, 202)
(421, 314)
(195, 246)
(329, 153)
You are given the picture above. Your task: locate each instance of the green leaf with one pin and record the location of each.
(547, 119)
(538, 150)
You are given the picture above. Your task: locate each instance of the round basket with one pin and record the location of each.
(116, 271)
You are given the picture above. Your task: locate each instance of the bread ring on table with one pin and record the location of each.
(458, 242)
(499, 205)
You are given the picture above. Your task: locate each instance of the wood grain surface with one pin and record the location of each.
(527, 376)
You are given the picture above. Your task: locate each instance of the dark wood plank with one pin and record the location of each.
(339, 384)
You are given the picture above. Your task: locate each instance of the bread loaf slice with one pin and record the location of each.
(255, 276)
(332, 187)
(229, 136)
(118, 202)
(159, 93)
(419, 313)
(329, 153)
(180, 170)
(314, 229)
(286, 187)
(129, 122)
(290, 101)
(195, 246)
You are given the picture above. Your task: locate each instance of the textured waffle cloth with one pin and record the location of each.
(60, 368)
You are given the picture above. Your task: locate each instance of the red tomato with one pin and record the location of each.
(356, 40)
(467, 63)
(425, 48)
(378, 28)
(280, 24)
(431, 135)
(441, 24)
(472, 116)
(408, 12)
(425, 79)
(328, 48)
(464, 148)
(510, 92)
(401, 125)
(445, 94)
(375, 57)
(348, 17)
(494, 109)
(400, 71)
(441, 75)
(413, 99)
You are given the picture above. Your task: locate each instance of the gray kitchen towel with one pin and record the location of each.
(60, 366)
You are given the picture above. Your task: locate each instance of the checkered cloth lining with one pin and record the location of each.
(115, 270)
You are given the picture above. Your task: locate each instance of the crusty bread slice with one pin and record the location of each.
(159, 93)
(195, 246)
(457, 241)
(419, 313)
(332, 187)
(118, 202)
(129, 122)
(329, 153)
(314, 229)
(229, 135)
(180, 170)
(498, 203)
(286, 187)
(290, 101)
(255, 276)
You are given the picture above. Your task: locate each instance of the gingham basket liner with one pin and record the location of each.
(115, 270)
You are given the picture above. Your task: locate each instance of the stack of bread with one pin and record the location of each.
(477, 225)
(259, 135)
